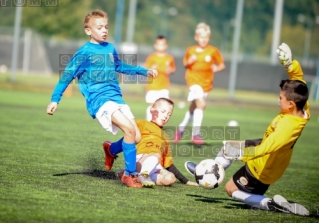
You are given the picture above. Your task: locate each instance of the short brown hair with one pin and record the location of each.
(169, 101)
(98, 13)
(295, 91)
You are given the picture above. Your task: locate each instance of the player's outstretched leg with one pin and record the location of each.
(279, 203)
(109, 157)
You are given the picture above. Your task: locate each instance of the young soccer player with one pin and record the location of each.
(154, 155)
(95, 65)
(266, 159)
(201, 61)
(164, 63)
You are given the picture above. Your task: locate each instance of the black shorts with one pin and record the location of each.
(246, 181)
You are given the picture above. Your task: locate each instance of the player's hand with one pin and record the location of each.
(154, 66)
(191, 183)
(51, 108)
(192, 59)
(284, 55)
(233, 150)
(152, 72)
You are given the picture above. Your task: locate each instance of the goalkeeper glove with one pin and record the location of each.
(233, 150)
(284, 55)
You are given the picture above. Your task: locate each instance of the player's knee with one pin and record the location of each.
(228, 189)
(166, 179)
(169, 179)
(130, 132)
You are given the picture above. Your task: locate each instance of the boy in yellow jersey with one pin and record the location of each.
(266, 159)
(165, 66)
(154, 159)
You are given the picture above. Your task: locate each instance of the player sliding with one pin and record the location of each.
(154, 155)
(266, 159)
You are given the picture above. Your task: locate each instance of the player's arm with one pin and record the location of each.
(173, 169)
(189, 59)
(293, 67)
(72, 70)
(283, 135)
(234, 149)
(129, 69)
(252, 142)
(219, 65)
(171, 68)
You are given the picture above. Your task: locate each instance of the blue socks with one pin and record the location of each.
(116, 147)
(129, 151)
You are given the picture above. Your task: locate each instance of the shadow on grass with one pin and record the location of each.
(108, 175)
(209, 199)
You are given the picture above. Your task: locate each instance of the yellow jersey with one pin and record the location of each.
(154, 140)
(269, 160)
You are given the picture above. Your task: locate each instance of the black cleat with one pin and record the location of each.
(190, 167)
(279, 203)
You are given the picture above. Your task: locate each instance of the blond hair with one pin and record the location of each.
(98, 13)
(202, 28)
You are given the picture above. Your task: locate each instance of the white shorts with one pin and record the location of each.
(196, 92)
(104, 115)
(153, 95)
(154, 173)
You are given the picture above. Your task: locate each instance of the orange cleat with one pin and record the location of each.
(109, 157)
(131, 180)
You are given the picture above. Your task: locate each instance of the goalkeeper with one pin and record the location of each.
(266, 159)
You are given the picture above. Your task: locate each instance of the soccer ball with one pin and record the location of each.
(232, 123)
(209, 174)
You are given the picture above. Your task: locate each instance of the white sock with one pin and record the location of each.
(149, 164)
(187, 118)
(197, 123)
(222, 160)
(253, 200)
(148, 114)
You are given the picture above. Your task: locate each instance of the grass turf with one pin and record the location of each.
(52, 167)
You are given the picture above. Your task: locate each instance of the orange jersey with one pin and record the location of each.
(160, 63)
(201, 72)
(154, 140)
(269, 160)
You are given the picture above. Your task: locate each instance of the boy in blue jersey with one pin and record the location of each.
(95, 65)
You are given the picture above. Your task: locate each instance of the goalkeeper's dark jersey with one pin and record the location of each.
(271, 158)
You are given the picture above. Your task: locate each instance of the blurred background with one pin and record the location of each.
(33, 37)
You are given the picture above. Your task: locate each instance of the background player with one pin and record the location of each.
(267, 159)
(201, 61)
(164, 63)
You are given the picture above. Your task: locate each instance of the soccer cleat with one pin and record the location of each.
(190, 167)
(279, 203)
(178, 136)
(109, 157)
(131, 180)
(197, 140)
(145, 180)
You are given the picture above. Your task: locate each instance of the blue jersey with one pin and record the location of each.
(95, 67)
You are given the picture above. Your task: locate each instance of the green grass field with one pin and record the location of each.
(52, 167)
